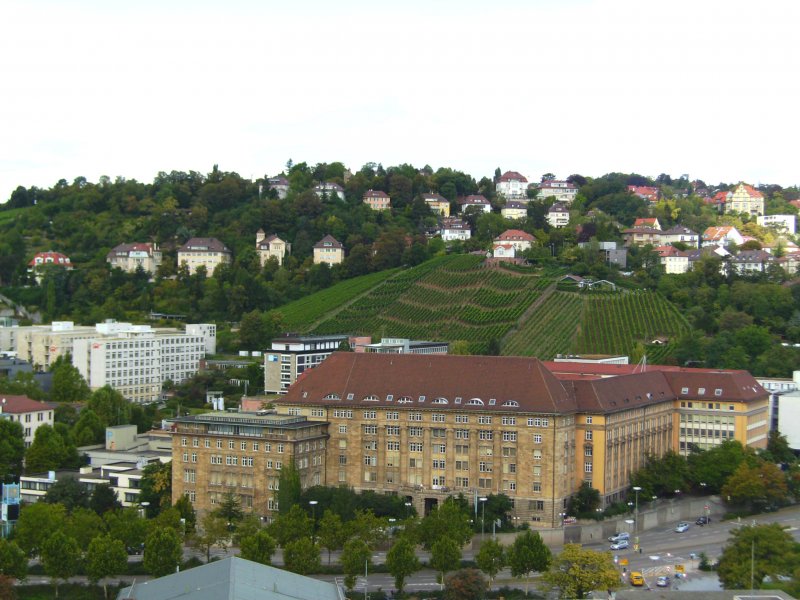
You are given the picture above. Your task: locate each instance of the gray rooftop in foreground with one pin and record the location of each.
(232, 578)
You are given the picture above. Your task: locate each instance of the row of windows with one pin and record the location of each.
(279, 447)
(435, 417)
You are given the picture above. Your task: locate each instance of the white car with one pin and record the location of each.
(681, 527)
(620, 545)
(662, 581)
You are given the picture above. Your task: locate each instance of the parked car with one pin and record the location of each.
(620, 545)
(618, 537)
(662, 581)
(703, 520)
(637, 578)
(682, 527)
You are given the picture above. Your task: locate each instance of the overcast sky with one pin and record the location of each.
(706, 88)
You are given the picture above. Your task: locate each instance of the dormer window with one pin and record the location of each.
(389, 397)
(440, 400)
(404, 400)
(701, 391)
(684, 391)
(511, 403)
(332, 397)
(371, 398)
(458, 400)
(492, 401)
(475, 402)
(718, 392)
(350, 396)
(422, 398)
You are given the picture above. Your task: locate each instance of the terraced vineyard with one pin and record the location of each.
(299, 314)
(615, 322)
(454, 299)
(550, 330)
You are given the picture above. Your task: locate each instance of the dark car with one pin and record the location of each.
(703, 521)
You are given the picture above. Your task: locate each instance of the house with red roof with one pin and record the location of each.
(44, 260)
(651, 222)
(31, 414)
(512, 185)
(645, 192)
(521, 240)
(723, 235)
(130, 257)
(745, 199)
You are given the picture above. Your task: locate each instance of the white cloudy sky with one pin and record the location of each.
(106, 87)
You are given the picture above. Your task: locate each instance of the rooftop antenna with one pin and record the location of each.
(642, 364)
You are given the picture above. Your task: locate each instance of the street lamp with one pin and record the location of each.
(408, 509)
(483, 500)
(313, 504)
(144, 506)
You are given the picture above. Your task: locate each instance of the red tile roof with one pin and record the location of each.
(22, 404)
(353, 377)
(515, 235)
(50, 258)
(512, 176)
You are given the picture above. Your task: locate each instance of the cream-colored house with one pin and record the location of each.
(745, 199)
(130, 257)
(558, 215)
(271, 247)
(521, 240)
(203, 252)
(328, 250)
(377, 200)
(512, 185)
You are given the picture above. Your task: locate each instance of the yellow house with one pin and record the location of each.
(271, 247)
(745, 199)
(203, 252)
(438, 204)
(328, 250)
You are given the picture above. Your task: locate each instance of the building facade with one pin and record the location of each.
(214, 454)
(438, 204)
(130, 257)
(31, 414)
(328, 250)
(512, 185)
(377, 200)
(428, 427)
(562, 191)
(745, 199)
(203, 252)
(291, 355)
(271, 246)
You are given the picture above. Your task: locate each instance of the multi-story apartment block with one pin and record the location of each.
(214, 454)
(42, 345)
(745, 199)
(271, 246)
(124, 478)
(377, 200)
(130, 257)
(328, 250)
(563, 191)
(137, 360)
(203, 252)
(781, 223)
(428, 427)
(438, 204)
(403, 346)
(291, 355)
(31, 414)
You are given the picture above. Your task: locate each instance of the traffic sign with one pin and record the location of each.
(679, 569)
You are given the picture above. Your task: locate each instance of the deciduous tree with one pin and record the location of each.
(528, 553)
(331, 532)
(36, 523)
(301, 556)
(445, 556)
(356, 556)
(105, 557)
(13, 562)
(577, 571)
(402, 561)
(213, 531)
(258, 547)
(163, 551)
(491, 558)
(61, 556)
(466, 584)
(12, 449)
(761, 550)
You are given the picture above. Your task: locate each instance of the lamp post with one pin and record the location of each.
(636, 490)
(483, 500)
(408, 509)
(144, 506)
(313, 504)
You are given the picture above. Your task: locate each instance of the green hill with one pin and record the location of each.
(458, 298)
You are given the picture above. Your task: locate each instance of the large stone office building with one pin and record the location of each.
(214, 454)
(427, 427)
